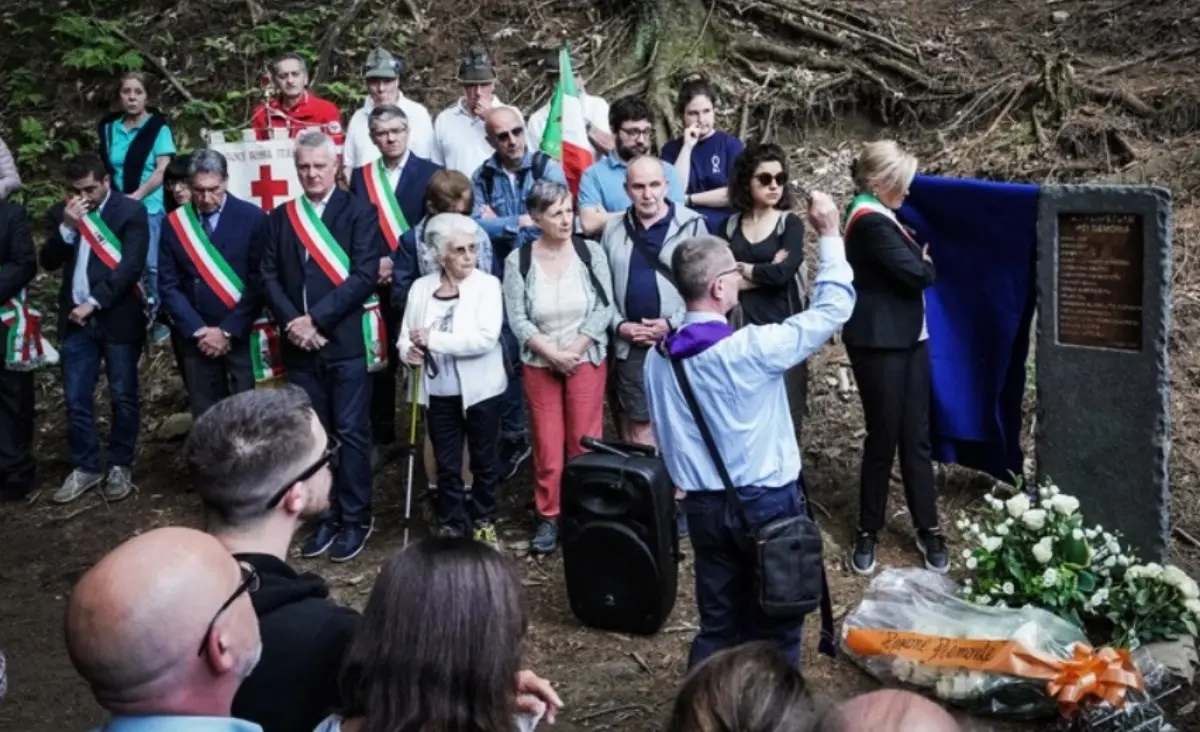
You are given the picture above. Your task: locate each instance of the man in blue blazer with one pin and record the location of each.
(212, 316)
(403, 180)
(320, 265)
(99, 238)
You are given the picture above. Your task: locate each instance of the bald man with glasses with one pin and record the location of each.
(262, 464)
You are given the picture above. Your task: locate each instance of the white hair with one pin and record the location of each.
(443, 228)
(316, 141)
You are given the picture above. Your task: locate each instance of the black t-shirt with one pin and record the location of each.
(777, 295)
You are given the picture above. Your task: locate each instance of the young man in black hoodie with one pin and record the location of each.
(262, 463)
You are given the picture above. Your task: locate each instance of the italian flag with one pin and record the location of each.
(566, 138)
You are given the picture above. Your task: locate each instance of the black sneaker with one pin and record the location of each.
(862, 560)
(512, 454)
(545, 539)
(932, 546)
(320, 540)
(351, 540)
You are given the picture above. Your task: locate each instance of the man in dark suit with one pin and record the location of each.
(100, 238)
(215, 234)
(320, 265)
(18, 266)
(395, 186)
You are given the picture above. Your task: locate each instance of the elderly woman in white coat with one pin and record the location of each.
(451, 333)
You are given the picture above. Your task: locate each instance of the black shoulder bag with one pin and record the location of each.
(789, 574)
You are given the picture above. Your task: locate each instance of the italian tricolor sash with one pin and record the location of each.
(335, 263)
(208, 260)
(865, 203)
(24, 347)
(104, 243)
(220, 277)
(391, 217)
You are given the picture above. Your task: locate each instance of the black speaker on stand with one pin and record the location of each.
(619, 539)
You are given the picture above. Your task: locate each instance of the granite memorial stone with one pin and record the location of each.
(1103, 377)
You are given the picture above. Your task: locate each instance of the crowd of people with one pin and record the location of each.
(448, 259)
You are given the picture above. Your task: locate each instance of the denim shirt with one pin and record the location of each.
(509, 202)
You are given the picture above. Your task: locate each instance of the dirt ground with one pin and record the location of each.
(609, 681)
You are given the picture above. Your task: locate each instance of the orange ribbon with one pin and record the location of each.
(1107, 674)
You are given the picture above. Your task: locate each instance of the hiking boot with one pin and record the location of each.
(351, 540)
(320, 539)
(512, 454)
(862, 560)
(545, 539)
(77, 483)
(485, 533)
(118, 485)
(932, 546)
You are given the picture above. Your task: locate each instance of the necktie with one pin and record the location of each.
(206, 224)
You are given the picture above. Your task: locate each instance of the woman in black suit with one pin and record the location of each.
(886, 339)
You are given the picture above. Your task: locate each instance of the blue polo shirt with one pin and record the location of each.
(641, 294)
(711, 164)
(603, 185)
(119, 140)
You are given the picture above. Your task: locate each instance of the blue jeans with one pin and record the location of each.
(725, 591)
(81, 352)
(514, 417)
(150, 277)
(340, 392)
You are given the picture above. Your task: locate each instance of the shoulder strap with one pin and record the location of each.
(585, 256)
(685, 385)
(525, 259)
(540, 161)
(489, 182)
(731, 224)
(634, 239)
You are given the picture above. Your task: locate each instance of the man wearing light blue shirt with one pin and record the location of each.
(738, 379)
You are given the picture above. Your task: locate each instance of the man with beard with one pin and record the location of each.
(163, 631)
(320, 265)
(295, 109)
(602, 194)
(382, 73)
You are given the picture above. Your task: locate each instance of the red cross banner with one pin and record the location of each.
(260, 171)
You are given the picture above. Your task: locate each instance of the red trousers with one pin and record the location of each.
(562, 409)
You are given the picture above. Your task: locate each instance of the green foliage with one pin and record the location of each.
(92, 46)
(343, 94)
(1153, 603)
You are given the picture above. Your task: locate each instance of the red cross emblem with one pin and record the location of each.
(267, 188)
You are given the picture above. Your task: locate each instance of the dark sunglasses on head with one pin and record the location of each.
(328, 457)
(514, 133)
(250, 583)
(764, 179)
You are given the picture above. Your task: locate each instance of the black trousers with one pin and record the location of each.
(16, 430)
(209, 380)
(383, 383)
(895, 388)
(448, 426)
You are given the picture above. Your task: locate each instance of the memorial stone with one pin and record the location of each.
(1103, 377)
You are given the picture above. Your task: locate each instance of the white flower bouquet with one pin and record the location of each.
(912, 629)
(1151, 603)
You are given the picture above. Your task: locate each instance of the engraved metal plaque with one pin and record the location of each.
(1100, 278)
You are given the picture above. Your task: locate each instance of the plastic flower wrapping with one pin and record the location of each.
(913, 630)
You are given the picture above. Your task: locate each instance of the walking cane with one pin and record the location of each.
(413, 408)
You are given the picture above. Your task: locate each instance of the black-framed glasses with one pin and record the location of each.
(328, 457)
(514, 133)
(250, 583)
(764, 179)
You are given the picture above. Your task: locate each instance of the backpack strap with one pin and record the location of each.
(585, 256)
(489, 182)
(525, 259)
(731, 225)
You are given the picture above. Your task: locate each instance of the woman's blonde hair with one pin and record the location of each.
(883, 165)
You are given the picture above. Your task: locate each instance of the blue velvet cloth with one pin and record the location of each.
(982, 236)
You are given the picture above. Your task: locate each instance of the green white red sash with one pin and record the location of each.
(391, 216)
(865, 203)
(207, 259)
(220, 277)
(104, 243)
(335, 263)
(24, 347)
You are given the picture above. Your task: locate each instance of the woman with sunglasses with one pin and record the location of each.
(704, 155)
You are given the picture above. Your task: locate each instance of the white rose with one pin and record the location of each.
(1064, 504)
(1099, 598)
(972, 563)
(1176, 577)
(1123, 560)
(1153, 570)
(1043, 551)
(1034, 519)
(1053, 490)
(1110, 562)
(966, 553)
(1017, 505)
(1193, 607)
(992, 543)
(975, 529)
(1001, 530)
(1008, 588)
(1045, 505)
(1050, 577)
(1077, 535)
(1190, 589)
(962, 524)
(1090, 533)
(1044, 492)
(968, 582)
